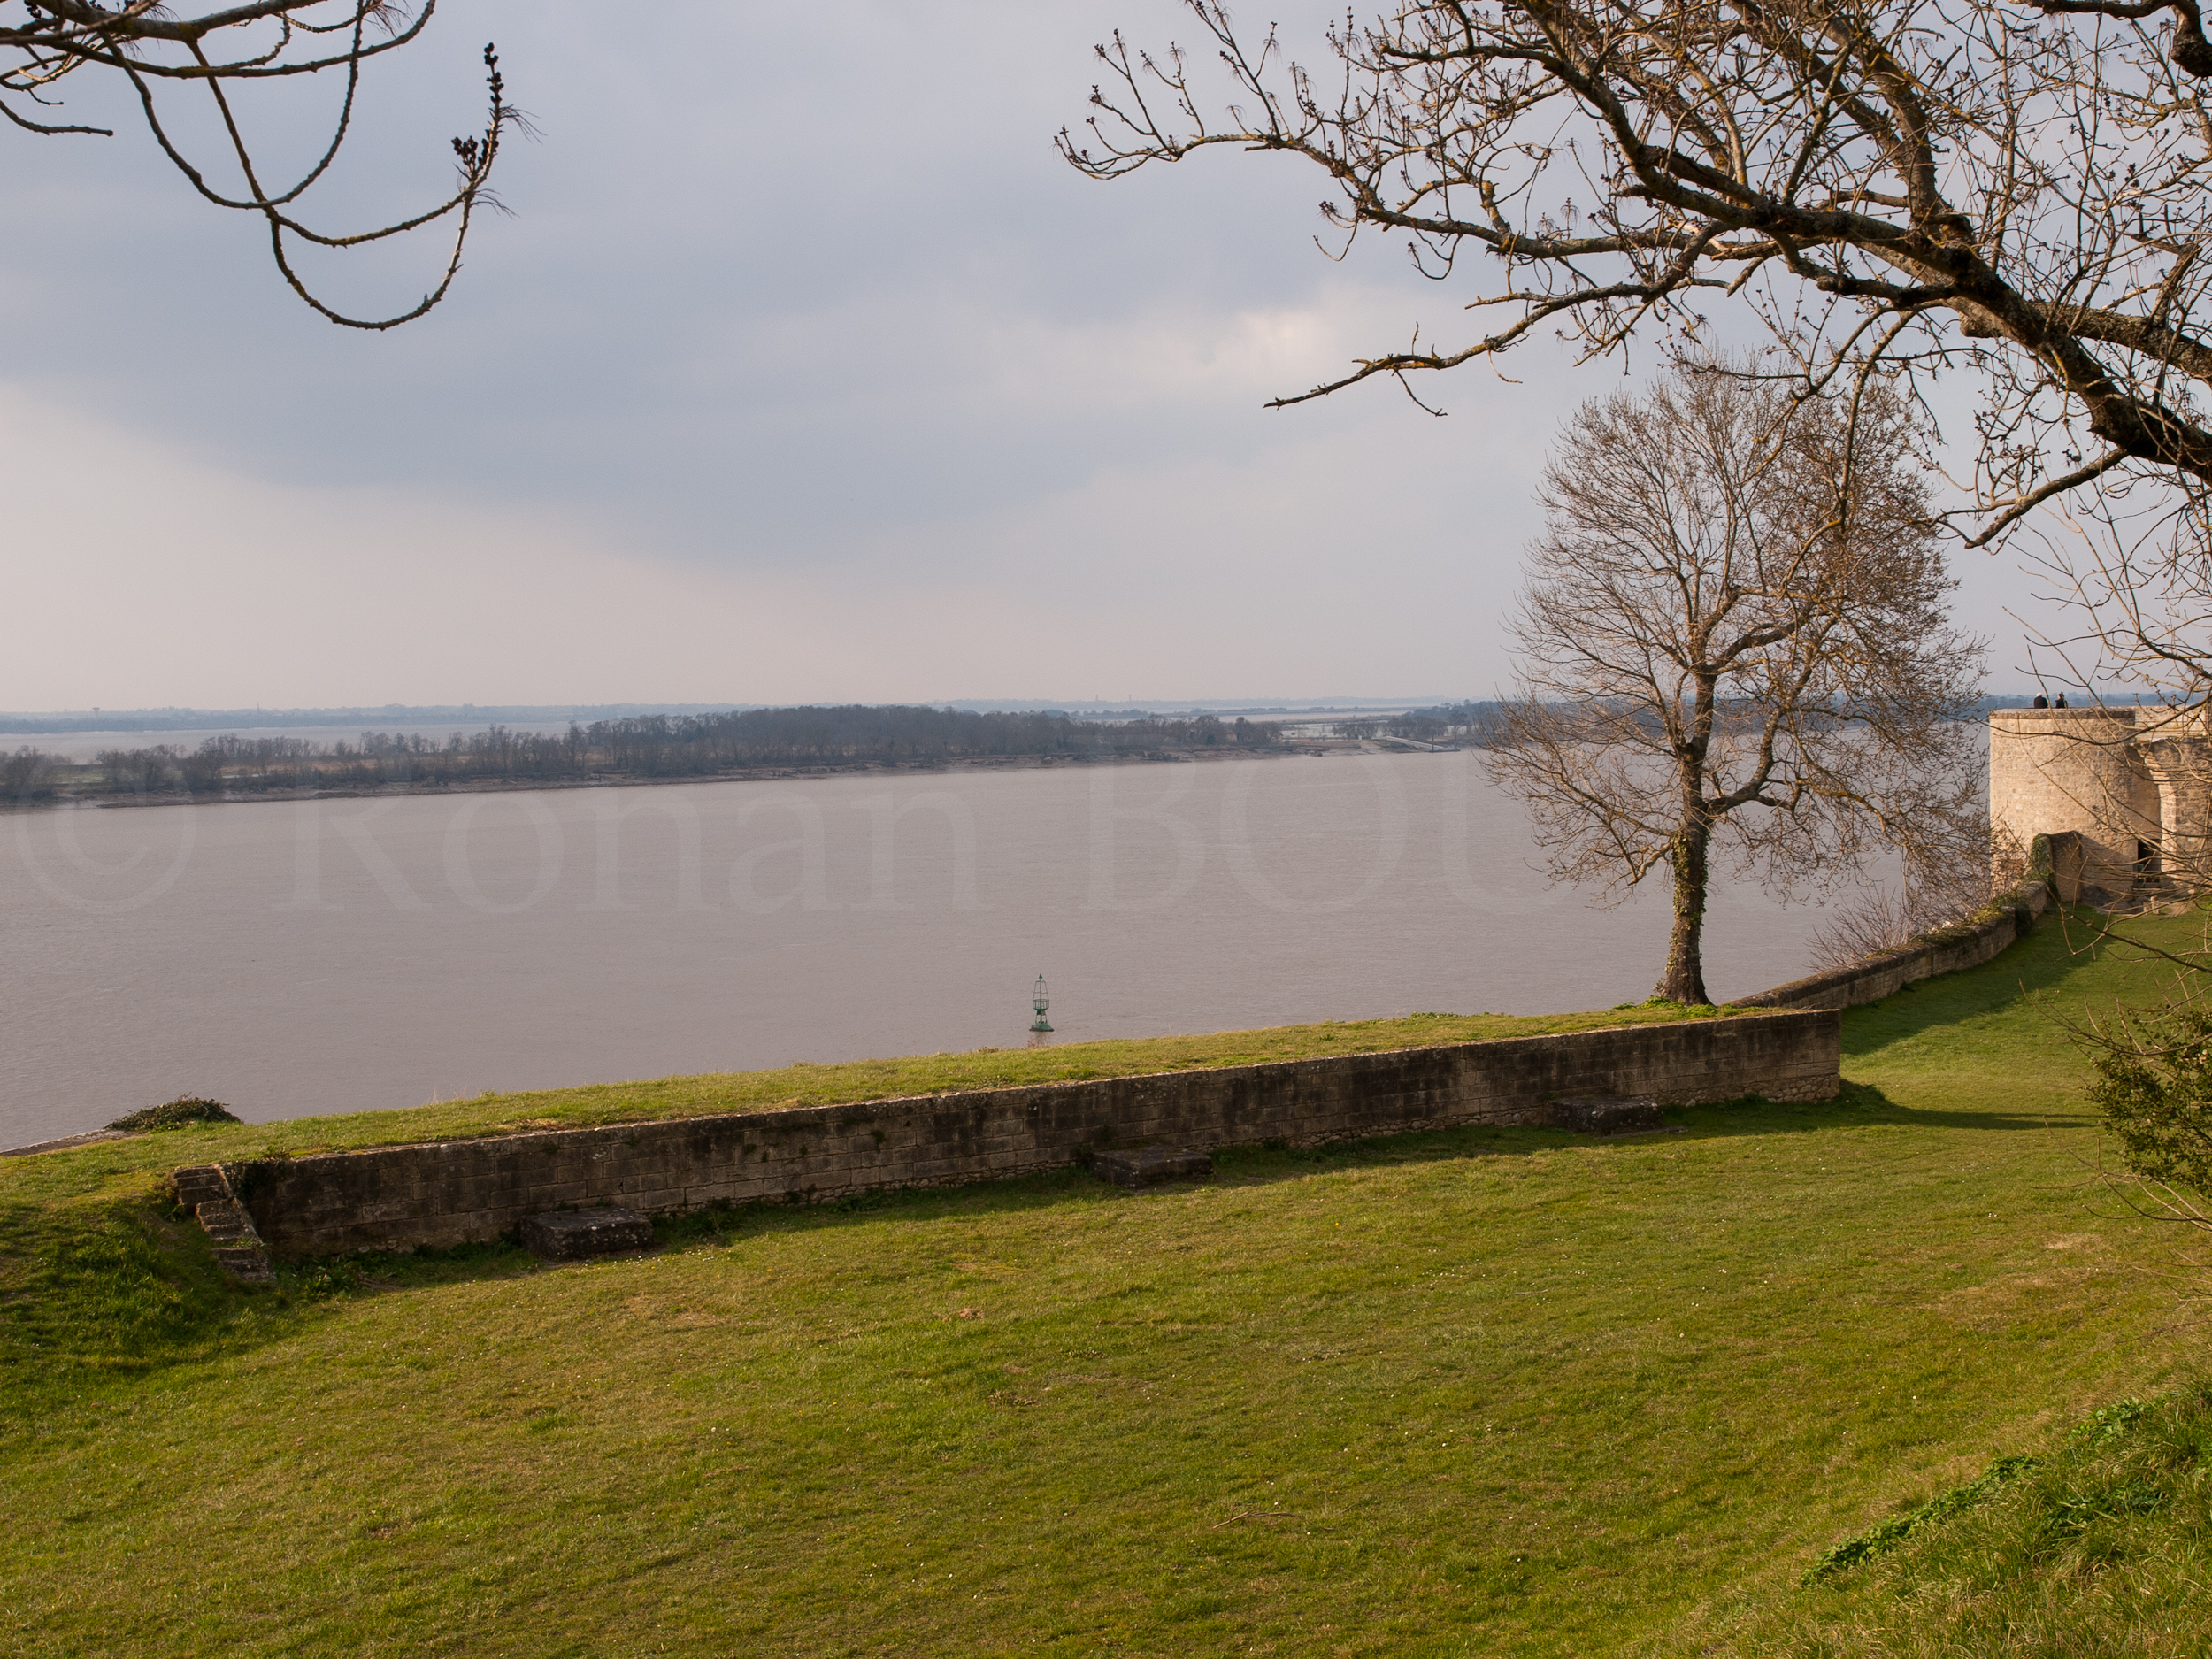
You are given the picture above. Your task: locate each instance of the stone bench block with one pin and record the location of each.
(570, 1235)
(1606, 1114)
(1147, 1166)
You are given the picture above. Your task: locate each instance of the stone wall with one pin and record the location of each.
(459, 1191)
(1871, 979)
(2070, 865)
(2055, 770)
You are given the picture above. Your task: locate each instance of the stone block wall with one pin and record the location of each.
(1871, 979)
(2181, 766)
(2079, 769)
(460, 1191)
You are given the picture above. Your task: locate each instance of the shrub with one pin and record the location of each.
(1882, 1538)
(186, 1109)
(2154, 1088)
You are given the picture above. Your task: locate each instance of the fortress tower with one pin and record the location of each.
(2132, 784)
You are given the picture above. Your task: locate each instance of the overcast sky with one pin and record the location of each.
(804, 371)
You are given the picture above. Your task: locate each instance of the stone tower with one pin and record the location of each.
(2130, 783)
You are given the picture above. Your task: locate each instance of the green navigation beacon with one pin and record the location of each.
(1041, 1001)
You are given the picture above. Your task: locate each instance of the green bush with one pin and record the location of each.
(186, 1109)
(2154, 1088)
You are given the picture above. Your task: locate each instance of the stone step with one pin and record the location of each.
(226, 1222)
(202, 1183)
(204, 1190)
(570, 1235)
(248, 1266)
(1147, 1166)
(1605, 1114)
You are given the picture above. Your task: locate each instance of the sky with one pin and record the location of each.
(804, 369)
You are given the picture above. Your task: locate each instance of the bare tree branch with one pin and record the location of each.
(146, 45)
(2026, 187)
(2041, 493)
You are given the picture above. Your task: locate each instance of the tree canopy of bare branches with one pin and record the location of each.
(1734, 629)
(1888, 184)
(221, 54)
(2127, 579)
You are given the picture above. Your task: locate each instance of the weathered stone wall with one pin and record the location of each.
(2181, 766)
(2069, 861)
(458, 1191)
(2054, 770)
(1873, 978)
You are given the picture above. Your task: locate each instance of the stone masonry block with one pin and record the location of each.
(570, 1235)
(1605, 1115)
(1146, 1166)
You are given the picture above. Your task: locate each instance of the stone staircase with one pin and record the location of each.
(205, 1191)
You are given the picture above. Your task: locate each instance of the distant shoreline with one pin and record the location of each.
(762, 744)
(151, 722)
(761, 775)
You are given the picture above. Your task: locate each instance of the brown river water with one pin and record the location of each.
(296, 958)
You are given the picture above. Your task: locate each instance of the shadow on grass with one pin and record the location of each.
(1859, 1106)
(111, 1287)
(2043, 966)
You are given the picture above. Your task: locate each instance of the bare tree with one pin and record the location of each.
(1733, 630)
(1887, 184)
(222, 53)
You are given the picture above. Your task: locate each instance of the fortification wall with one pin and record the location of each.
(2077, 770)
(1871, 979)
(2181, 767)
(461, 1191)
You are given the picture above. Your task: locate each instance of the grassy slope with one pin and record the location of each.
(1486, 1392)
(2096, 1546)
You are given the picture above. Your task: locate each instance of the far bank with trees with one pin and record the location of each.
(639, 749)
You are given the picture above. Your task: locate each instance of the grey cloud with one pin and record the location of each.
(803, 293)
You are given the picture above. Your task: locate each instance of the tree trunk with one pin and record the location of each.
(1684, 981)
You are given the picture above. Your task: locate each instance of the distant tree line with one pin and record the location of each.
(26, 775)
(175, 718)
(1475, 723)
(644, 746)
(1463, 720)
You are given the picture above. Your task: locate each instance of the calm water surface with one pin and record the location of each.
(335, 956)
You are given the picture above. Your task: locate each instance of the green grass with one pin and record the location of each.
(2098, 1546)
(1483, 1392)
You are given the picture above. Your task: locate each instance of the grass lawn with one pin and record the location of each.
(1480, 1392)
(2096, 1546)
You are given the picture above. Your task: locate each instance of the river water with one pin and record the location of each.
(296, 957)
